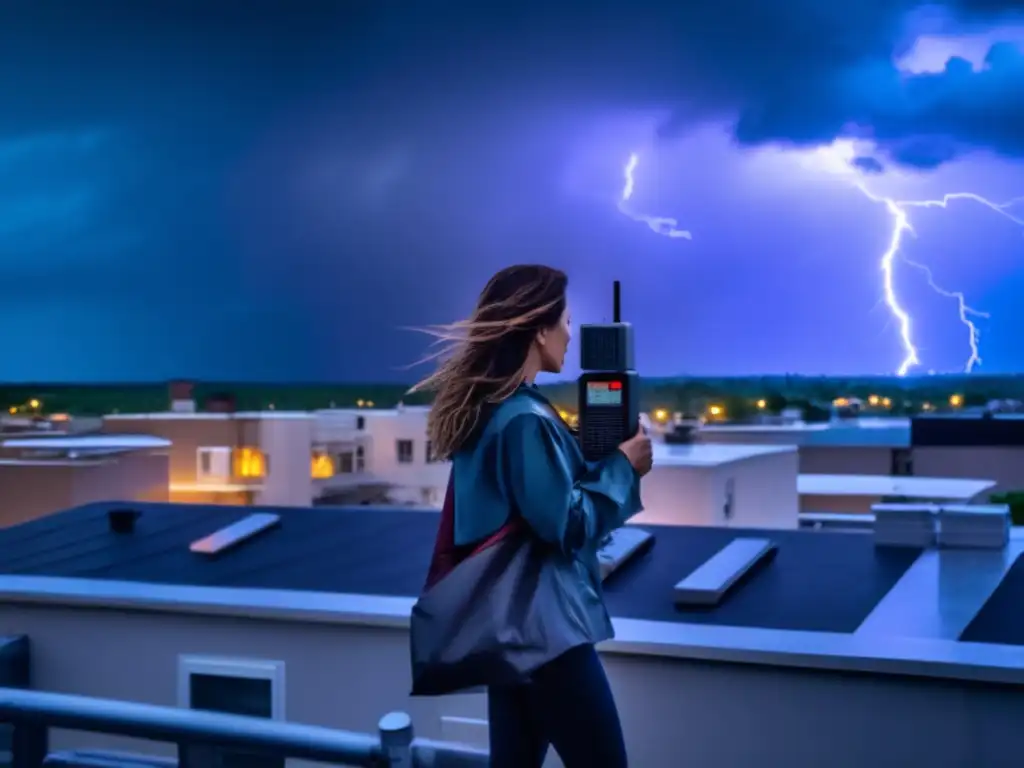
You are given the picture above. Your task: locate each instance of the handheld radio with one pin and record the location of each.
(609, 388)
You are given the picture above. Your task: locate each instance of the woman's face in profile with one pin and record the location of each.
(556, 341)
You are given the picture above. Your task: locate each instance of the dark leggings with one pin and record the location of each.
(568, 706)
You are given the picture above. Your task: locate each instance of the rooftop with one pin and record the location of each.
(931, 488)
(88, 443)
(826, 600)
(207, 415)
(864, 432)
(711, 454)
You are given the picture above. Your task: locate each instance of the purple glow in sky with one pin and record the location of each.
(853, 163)
(190, 174)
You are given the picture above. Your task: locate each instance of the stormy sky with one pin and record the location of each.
(275, 190)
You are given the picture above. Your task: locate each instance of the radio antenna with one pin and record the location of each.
(616, 302)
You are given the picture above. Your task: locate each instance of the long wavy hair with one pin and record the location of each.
(483, 358)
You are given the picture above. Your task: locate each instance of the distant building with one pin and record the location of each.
(359, 455)
(865, 446)
(42, 475)
(971, 445)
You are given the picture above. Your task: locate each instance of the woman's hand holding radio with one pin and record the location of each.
(639, 452)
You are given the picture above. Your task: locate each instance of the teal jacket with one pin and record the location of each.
(526, 459)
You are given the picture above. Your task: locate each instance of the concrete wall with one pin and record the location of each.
(679, 495)
(762, 489)
(815, 459)
(287, 444)
(674, 712)
(1004, 465)
(138, 476)
(187, 435)
(31, 490)
(839, 505)
(844, 460)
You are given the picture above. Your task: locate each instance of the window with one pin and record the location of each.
(234, 686)
(902, 462)
(429, 456)
(404, 448)
(360, 459)
(360, 422)
(213, 463)
(250, 463)
(429, 496)
(344, 462)
(321, 466)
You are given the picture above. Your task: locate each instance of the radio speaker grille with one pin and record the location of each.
(606, 347)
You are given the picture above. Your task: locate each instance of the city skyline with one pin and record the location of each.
(265, 193)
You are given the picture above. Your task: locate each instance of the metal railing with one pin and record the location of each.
(203, 737)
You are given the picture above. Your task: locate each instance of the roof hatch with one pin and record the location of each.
(234, 534)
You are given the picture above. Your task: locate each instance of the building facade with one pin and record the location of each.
(341, 456)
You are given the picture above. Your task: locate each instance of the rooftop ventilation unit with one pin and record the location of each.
(620, 547)
(122, 519)
(974, 526)
(905, 525)
(234, 534)
(713, 580)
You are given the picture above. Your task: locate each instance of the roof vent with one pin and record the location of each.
(234, 534)
(122, 520)
(723, 571)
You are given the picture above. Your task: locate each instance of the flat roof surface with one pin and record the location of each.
(359, 566)
(711, 454)
(1001, 618)
(816, 582)
(938, 488)
(865, 432)
(207, 415)
(88, 442)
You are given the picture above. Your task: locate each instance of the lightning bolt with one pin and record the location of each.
(965, 311)
(661, 225)
(901, 226)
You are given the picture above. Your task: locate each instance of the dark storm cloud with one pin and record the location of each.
(922, 120)
(799, 72)
(867, 164)
(784, 71)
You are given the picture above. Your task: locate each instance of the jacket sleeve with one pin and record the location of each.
(566, 511)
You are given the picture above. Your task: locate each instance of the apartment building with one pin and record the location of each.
(971, 445)
(384, 448)
(283, 458)
(868, 446)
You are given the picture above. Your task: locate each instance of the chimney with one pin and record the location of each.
(220, 402)
(122, 520)
(182, 399)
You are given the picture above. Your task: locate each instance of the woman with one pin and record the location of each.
(512, 454)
